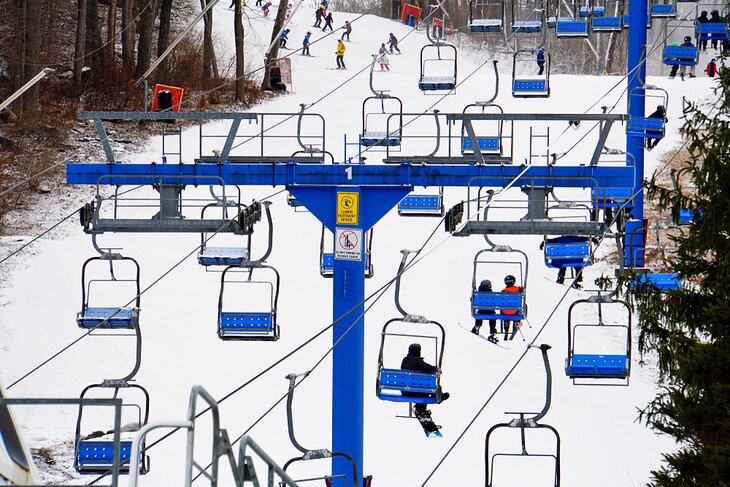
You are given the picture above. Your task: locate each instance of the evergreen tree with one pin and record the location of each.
(689, 328)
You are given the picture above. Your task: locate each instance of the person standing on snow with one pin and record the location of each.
(318, 17)
(328, 23)
(283, 38)
(711, 68)
(382, 58)
(305, 44)
(393, 43)
(348, 30)
(340, 52)
(265, 8)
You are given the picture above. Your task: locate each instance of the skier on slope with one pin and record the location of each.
(305, 44)
(393, 43)
(283, 38)
(348, 30)
(328, 23)
(340, 52)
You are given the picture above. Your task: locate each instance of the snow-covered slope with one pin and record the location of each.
(602, 443)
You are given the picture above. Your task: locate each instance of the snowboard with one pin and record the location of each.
(429, 427)
(483, 337)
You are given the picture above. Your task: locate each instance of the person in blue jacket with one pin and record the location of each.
(283, 38)
(305, 44)
(540, 62)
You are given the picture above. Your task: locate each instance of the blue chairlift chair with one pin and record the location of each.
(591, 367)
(93, 315)
(94, 454)
(244, 316)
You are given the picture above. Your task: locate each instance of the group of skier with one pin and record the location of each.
(510, 287)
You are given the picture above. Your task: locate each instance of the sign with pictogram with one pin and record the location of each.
(348, 243)
(347, 207)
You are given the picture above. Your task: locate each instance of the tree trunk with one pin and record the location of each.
(163, 39)
(274, 51)
(20, 66)
(127, 37)
(146, 31)
(32, 55)
(210, 66)
(238, 34)
(93, 39)
(80, 42)
(111, 33)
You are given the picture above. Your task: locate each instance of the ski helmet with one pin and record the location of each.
(486, 283)
(510, 280)
(414, 349)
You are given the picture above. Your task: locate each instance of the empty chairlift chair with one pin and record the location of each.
(212, 254)
(663, 9)
(527, 80)
(382, 121)
(528, 16)
(110, 287)
(534, 458)
(95, 448)
(612, 18)
(438, 67)
(599, 346)
(486, 134)
(422, 204)
(486, 16)
(572, 18)
(327, 259)
(247, 307)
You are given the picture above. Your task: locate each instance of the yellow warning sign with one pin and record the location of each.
(347, 208)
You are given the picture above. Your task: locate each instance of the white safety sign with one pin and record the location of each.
(348, 243)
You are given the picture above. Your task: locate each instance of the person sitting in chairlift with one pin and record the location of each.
(486, 286)
(563, 264)
(687, 43)
(510, 287)
(540, 62)
(660, 113)
(413, 361)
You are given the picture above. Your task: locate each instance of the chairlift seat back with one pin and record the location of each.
(711, 31)
(108, 318)
(571, 27)
(663, 10)
(437, 83)
(646, 127)
(529, 86)
(421, 205)
(597, 366)
(487, 145)
(685, 217)
(223, 256)
(663, 281)
(95, 456)
(573, 254)
(526, 26)
(611, 197)
(598, 11)
(391, 382)
(679, 55)
(607, 24)
(246, 325)
(380, 139)
(499, 302)
(485, 25)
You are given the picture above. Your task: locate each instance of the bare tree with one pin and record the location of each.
(93, 46)
(273, 53)
(127, 36)
(238, 34)
(163, 39)
(80, 42)
(111, 33)
(209, 62)
(146, 31)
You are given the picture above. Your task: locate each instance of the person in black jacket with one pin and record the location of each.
(486, 286)
(413, 361)
(658, 113)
